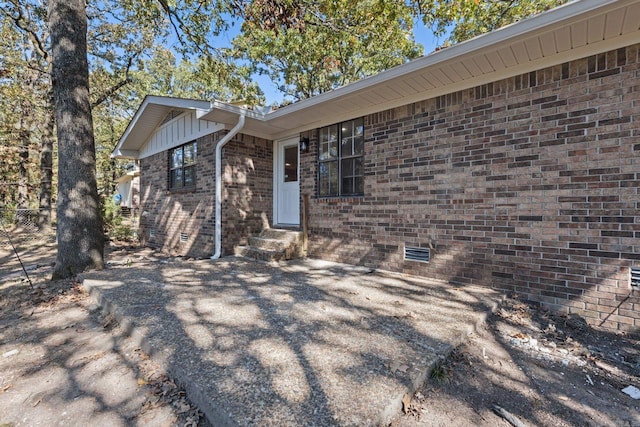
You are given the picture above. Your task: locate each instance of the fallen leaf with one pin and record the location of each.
(142, 382)
(406, 402)
(10, 353)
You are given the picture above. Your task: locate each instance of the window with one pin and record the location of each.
(183, 166)
(341, 159)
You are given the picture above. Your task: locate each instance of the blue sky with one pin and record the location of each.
(422, 34)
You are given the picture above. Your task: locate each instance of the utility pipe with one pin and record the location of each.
(218, 230)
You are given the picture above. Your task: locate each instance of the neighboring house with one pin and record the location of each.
(511, 160)
(128, 187)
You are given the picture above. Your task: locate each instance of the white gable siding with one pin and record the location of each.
(178, 131)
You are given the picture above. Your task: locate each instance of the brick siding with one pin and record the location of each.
(247, 198)
(528, 185)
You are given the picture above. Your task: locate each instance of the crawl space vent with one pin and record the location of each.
(635, 277)
(184, 237)
(416, 254)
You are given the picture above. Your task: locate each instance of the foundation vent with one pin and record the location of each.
(635, 277)
(184, 237)
(416, 254)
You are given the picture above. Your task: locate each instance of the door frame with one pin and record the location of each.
(278, 153)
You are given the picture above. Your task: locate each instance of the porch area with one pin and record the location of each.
(306, 342)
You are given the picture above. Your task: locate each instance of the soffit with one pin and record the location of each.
(575, 30)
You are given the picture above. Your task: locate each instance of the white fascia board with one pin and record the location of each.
(563, 15)
(229, 108)
(125, 154)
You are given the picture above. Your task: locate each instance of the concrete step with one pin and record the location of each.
(273, 244)
(269, 244)
(260, 254)
(281, 234)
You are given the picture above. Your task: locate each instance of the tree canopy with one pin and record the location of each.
(312, 47)
(460, 20)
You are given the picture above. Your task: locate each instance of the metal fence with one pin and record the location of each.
(21, 225)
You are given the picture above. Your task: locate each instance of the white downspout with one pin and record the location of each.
(218, 230)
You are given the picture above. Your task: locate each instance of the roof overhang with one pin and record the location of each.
(148, 117)
(575, 30)
(128, 176)
(572, 31)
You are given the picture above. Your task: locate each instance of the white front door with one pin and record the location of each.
(286, 189)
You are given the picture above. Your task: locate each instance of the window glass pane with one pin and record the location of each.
(333, 141)
(328, 179)
(333, 179)
(291, 164)
(329, 142)
(324, 144)
(358, 137)
(347, 167)
(190, 154)
(189, 176)
(176, 158)
(347, 139)
(359, 166)
(176, 178)
(352, 175)
(359, 185)
(323, 179)
(347, 185)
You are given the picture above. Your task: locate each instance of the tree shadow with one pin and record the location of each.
(62, 367)
(321, 345)
(543, 386)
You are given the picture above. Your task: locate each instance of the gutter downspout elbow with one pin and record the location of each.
(218, 202)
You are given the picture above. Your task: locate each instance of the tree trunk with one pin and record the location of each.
(46, 169)
(79, 231)
(24, 142)
(24, 139)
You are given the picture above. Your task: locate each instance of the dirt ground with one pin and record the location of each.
(63, 362)
(543, 370)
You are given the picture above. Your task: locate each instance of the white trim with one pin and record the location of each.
(278, 147)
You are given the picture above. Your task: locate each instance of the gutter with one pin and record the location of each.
(218, 226)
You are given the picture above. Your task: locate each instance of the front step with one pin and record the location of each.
(273, 245)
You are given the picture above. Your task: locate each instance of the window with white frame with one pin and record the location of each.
(182, 166)
(341, 159)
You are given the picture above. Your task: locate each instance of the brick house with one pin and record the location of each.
(511, 160)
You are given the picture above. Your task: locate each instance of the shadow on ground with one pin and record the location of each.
(61, 362)
(304, 343)
(544, 369)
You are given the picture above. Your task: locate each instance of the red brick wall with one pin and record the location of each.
(528, 185)
(247, 198)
